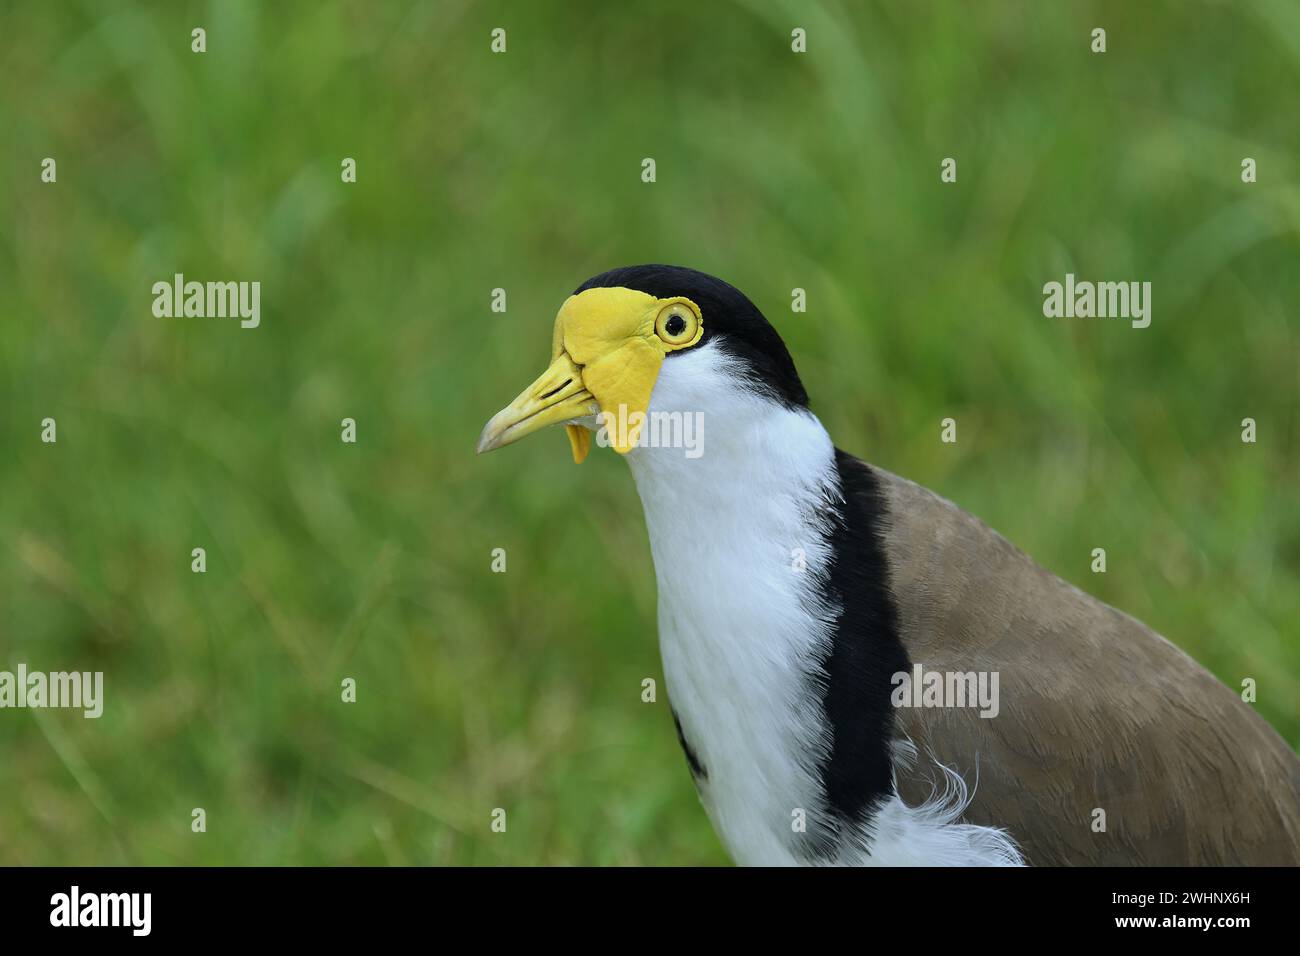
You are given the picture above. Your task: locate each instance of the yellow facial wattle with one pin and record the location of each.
(606, 352)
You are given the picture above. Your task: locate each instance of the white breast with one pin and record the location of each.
(736, 533)
(737, 628)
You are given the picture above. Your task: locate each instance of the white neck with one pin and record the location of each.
(738, 530)
(737, 544)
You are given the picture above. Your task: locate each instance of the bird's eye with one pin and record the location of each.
(677, 325)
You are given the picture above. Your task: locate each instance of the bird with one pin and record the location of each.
(802, 591)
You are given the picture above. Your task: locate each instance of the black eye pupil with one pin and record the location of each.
(675, 325)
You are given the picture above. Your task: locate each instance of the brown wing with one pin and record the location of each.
(1097, 711)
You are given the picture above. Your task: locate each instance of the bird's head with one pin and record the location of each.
(664, 334)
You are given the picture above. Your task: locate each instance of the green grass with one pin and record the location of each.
(522, 690)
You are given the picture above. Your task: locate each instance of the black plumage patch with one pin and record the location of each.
(864, 654)
(729, 317)
(697, 768)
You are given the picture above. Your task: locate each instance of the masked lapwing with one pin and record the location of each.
(805, 597)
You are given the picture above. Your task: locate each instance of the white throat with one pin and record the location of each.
(738, 531)
(737, 549)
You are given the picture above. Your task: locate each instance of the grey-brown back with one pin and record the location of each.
(1097, 711)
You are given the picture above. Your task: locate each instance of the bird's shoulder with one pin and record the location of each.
(1096, 710)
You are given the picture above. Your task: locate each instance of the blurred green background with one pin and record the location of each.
(522, 171)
